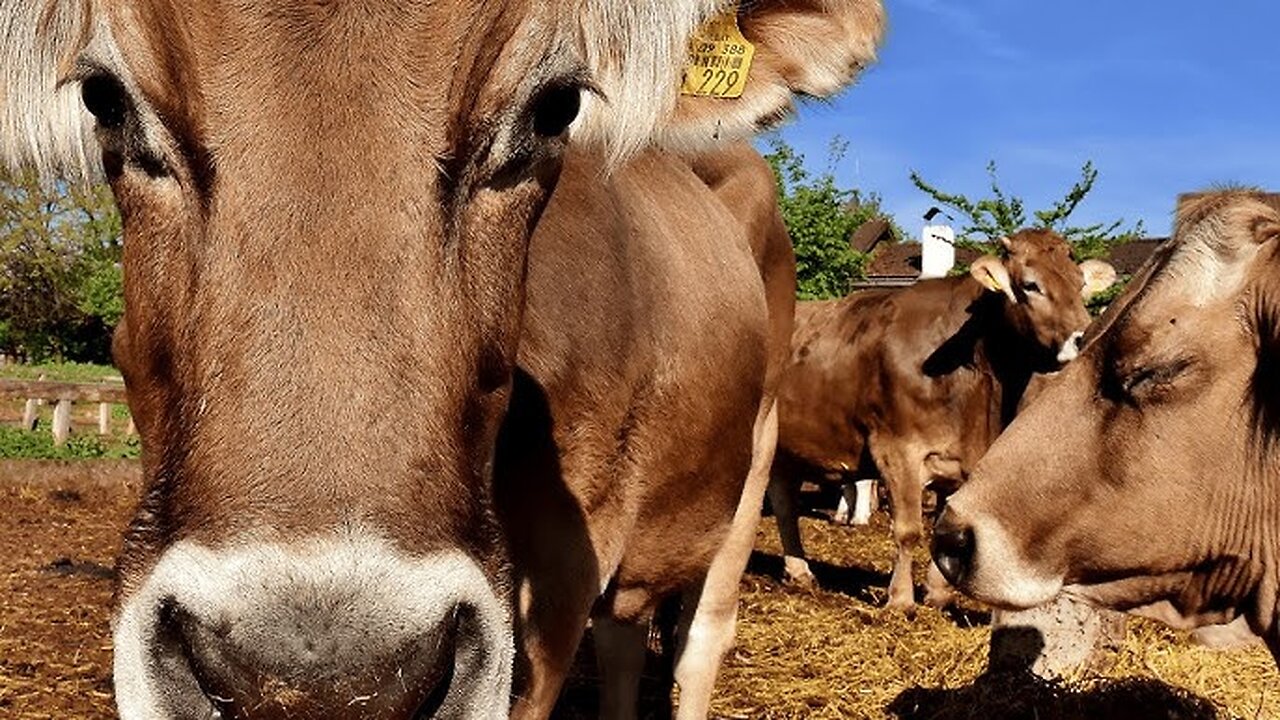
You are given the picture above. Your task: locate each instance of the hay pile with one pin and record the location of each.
(835, 653)
(827, 654)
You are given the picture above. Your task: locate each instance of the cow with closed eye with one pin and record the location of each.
(917, 382)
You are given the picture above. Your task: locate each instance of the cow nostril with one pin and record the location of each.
(953, 552)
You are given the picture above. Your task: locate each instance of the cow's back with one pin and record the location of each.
(898, 362)
(644, 357)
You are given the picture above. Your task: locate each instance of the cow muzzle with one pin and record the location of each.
(338, 629)
(953, 550)
(1071, 348)
(980, 558)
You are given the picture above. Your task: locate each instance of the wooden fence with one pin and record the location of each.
(63, 395)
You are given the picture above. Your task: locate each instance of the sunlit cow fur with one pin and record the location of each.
(1146, 475)
(328, 209)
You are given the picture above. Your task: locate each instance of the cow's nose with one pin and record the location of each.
(308, 668)
(1071, 348)
(356, 631)
(953, 546)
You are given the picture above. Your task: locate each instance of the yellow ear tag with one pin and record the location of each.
(719, 58)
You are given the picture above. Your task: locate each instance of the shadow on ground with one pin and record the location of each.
(1010, 691)
(1021, 695)
(868, 586)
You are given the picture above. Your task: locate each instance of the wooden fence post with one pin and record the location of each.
(104, 418)
(29, 414)
(61, 421)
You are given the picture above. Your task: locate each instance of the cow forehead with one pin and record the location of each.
(630, 53)
(179, 49)
(1213, 250)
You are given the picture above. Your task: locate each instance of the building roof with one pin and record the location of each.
(1127, 258)
(901, 261)
(870, 234)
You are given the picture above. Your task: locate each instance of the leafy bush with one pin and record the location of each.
(61, 288)
(18, 444)
(1002, 214)
(820, 217)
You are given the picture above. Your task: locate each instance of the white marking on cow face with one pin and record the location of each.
(1071, 348)
(346, 609)
(998, 573)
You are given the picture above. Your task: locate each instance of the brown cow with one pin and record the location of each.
(328, 209)
(607, 509)
(1147, 474)
(921, 380)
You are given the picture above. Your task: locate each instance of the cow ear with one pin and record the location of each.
(991, 273)
(1098, 276)
(692, 74)
(798, 48)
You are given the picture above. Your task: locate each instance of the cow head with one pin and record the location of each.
(1044, 292)
(1147, 472)
(327, 208)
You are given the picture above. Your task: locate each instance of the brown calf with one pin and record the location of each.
(919, 381)
(1146, 475)
(328, 210)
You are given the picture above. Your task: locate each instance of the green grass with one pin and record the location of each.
(17, 444)
(61, 372)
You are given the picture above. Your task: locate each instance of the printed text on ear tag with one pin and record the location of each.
(719, 59)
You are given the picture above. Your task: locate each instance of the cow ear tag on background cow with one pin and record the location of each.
(719, 58)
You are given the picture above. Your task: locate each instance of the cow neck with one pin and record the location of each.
(1008, 356)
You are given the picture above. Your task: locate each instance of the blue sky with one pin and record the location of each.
(1164, 97)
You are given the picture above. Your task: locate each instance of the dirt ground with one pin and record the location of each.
(826, 654)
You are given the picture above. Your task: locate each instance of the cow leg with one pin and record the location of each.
(784, 495)
(848, 501)
(856, 502)
(866, 501)
(710, 611)
(905, 480)
(551, 629)
(620, 655)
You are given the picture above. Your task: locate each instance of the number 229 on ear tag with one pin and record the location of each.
(719, 59)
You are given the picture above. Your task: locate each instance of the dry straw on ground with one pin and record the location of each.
(831, 653)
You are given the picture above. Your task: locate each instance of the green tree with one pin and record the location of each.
(60, 277)
(820, 217)
(1002, 214)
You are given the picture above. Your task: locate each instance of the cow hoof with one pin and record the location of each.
(796, 572)
(906, 607)
(862, 520)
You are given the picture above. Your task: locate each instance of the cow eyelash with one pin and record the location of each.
(1144, 380)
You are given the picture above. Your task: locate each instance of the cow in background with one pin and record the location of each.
(919, 381)
(328, 210)
(1147, 476)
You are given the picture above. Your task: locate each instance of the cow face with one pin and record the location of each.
(1044, 292)
(327, 208)
(1147, 471)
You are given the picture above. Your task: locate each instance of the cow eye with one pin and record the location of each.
(104, 97)
(1148, 382)
(555, 108)
(1031, 287)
